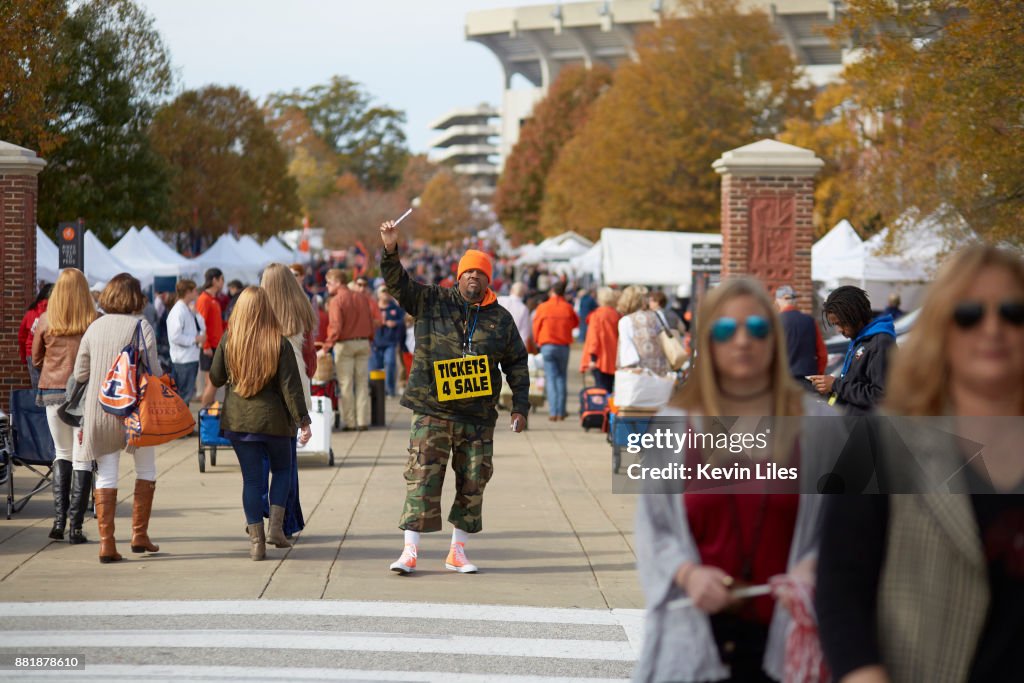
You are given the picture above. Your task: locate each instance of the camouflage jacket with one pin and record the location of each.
(443, 321)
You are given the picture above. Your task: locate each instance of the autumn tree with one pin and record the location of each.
(444, 211)
(938, 86)
(836, 132)
(356, 215)
(554, 121)
(229, 168)
(365, 138)
(703, 84)
(108, 71)
(28, 66)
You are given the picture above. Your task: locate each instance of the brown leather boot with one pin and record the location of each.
(275, 530)
(106, 506)
(258, 541)
(141, 509)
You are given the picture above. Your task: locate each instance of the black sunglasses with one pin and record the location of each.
(969, 313)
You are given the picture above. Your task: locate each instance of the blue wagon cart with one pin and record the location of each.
(209, 436)
(620, 425)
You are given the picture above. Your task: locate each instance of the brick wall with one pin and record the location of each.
(18, 261)
(772, 241)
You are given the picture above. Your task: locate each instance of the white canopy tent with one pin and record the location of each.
(101, 265)
(226, 255)
(137, 250)
(47, 257)
(588, 263)
(251, 251)
(163, 251)
(277, 252)
(556, 249)
(904, 267)
(649, 257)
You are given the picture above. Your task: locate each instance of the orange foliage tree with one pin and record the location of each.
(717, 79)
(555, 120)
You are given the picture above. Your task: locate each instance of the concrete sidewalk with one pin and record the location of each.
(554, 534)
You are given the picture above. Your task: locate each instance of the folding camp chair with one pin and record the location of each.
(26, 441)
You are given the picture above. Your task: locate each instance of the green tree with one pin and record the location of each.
(115, 70)
(940, 91)
(367, 139)
(229, 169)
(717, 79)
(28, 47)
(555, 120)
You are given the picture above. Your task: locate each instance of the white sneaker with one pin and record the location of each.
(406, 564)
(457, 562)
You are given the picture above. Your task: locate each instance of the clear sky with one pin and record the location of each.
(408, 54)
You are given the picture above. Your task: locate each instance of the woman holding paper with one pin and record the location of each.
(710, 548)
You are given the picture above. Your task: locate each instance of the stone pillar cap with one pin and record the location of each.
(768, 158)
(16, 160)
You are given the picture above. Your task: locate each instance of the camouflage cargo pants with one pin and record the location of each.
(431, 441)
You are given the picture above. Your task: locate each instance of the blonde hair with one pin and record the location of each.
(632, 299)
(918, 382)
(71, 309)
(700, 392)
(292, 309)
(253, 343)
(606, 296)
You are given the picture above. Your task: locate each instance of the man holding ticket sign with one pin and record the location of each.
(463, 338)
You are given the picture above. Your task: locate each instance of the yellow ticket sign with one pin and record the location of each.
(462, 378)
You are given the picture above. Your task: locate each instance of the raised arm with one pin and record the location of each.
(410, 294)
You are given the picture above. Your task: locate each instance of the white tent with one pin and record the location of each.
(101, 265)
(166, 253)
(588, 263)
(47, 257)
(277, 252)
(226, 255)
(556, 249)
(840, 244)
(251, 251)
(146, 258)
(649, 257)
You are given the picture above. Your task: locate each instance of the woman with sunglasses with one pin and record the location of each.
(861, 382)
(702, 546)
(933, 587)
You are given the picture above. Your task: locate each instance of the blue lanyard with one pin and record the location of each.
(468, 346)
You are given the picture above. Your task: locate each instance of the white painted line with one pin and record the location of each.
(632, 622)
(603, 650)
(157, 674)
(353, 608)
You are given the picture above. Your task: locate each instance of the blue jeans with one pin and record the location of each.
(184, 376)
(556, 369)
(250, 456)
(383, 358)
(294, 522)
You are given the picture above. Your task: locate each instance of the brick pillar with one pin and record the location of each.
(18, 170)
(767, 214)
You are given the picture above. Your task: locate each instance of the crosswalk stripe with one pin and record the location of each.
(355, 608)
(159, 674)
(600, 650)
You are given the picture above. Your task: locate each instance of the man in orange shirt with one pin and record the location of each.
(349, 331)
(208, 307)
(553, 324)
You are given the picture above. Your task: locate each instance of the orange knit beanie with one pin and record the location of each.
(476, 260)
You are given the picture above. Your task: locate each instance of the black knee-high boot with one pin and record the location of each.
(81, 487)
(61, 487)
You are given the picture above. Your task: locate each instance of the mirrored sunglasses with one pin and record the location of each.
(723, 329)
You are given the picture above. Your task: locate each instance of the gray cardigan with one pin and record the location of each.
(678, 644)
(104, 433)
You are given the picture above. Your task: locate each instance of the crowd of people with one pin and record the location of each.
(889, 587)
